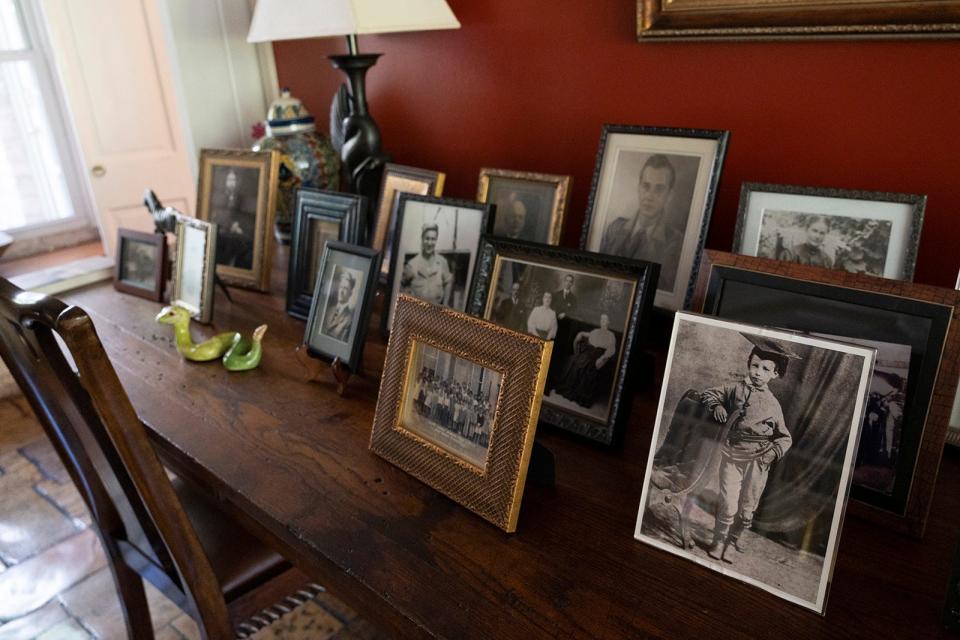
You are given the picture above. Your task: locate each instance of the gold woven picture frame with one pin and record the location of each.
(458, 406)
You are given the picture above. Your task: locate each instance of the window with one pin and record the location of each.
(39, 187)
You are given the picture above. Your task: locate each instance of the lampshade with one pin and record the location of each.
(292, 19)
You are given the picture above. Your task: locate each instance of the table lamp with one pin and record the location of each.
(359, 136)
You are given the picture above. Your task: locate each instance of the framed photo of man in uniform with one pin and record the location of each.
(867, 232)
(593, 307)
(237, 191)
(651, 198)
(530, 206)
(434, 251)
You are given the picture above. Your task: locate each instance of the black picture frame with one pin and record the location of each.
(158, 270)
(910, 227)
(318, 345)
(839, 303)
(487, 212)
(344, 209)
(643, 276)
(688, 260)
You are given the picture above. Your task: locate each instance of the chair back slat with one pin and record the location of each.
(89, 419)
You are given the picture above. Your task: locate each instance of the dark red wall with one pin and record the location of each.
(527, 85)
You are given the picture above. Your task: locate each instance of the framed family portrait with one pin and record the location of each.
(752, 453)
(593, 307)
(651, 198)
(194, 268)
(915, 333)
(530, 206)
(458, 406)
(861, 231)
(237, 192)
(342, 301)
(776, 19)
(140, 263)
(318, 218)
(398, 179)
(434, 251)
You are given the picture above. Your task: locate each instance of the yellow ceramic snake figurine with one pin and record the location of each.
(239, 354)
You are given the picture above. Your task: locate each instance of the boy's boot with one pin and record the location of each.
(719, 543)
(736, 536)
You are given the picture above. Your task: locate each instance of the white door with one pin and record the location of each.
(116, 72)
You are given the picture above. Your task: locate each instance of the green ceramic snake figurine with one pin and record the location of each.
(239, 354)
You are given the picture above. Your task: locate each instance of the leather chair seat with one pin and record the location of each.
(240, 560)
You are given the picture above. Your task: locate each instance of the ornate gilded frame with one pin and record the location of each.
(268, 162)
(397, 179)
(494, 492)
(933, 308)
(561, 193)
(204, 311)
(779, 19)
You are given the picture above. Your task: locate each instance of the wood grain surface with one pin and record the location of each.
(291, 458)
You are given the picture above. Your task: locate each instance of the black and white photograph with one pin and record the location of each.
(753, 453)
(140, 266)
(879, 448)
(451, 402)
(233, 207)
(320, 233)
(237, 191)
(530, 206)
(341, 303)
(833, 242)
(591, 306)
(858, 231)
(435, 249)
(584, 314)
(652, 195)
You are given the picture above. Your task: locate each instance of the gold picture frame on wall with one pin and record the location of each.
(238, 192)
(770, 19)
(459, 404)
(530, 206)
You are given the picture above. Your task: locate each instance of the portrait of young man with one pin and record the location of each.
(233, 206)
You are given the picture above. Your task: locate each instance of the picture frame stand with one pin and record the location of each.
(542, 470)
(315, 371)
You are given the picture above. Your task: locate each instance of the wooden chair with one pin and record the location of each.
(150, 527)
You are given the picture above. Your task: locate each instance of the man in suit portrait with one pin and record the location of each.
(648, 233)
(564, 303)
(338, 320)
(511, 312)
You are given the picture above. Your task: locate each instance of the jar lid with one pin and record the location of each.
(287, 115)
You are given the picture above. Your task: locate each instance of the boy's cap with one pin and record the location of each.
(770, 346)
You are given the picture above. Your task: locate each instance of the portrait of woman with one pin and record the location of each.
(583, 378)
(543, 320)
(811, 250)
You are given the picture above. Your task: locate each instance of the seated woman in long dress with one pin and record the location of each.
(582, 378)
(542, 321)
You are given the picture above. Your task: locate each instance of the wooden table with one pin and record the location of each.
(291, 460)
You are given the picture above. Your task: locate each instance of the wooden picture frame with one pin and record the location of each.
(319, 216)
(882, 312)
(458, 406)
(651, 198)
(338, 322)
(238, 191)
(460, 224)
(530, 206)
(150, 264)
(742, 477)
(195, 267)
(872, 232)
(778, 19)
(398, 179)
(584, 289)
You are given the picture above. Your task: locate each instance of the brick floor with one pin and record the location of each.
(54, 584)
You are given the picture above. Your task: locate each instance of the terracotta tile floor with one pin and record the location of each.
(54, 583)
